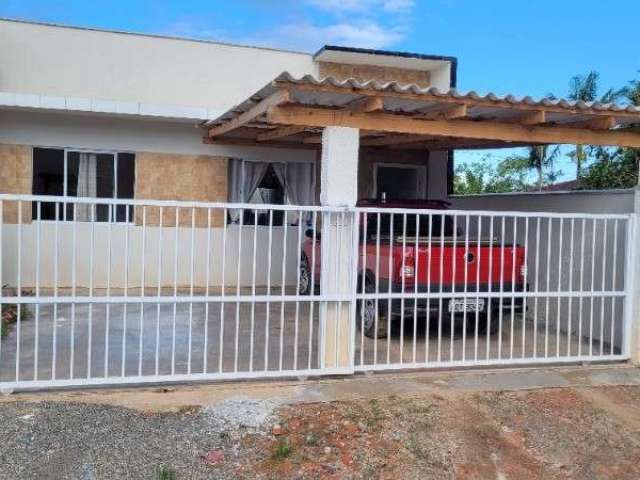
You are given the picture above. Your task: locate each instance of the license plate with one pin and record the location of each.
(459, 305)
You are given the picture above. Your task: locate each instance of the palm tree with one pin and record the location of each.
(540, 157)
(582, 88)
(631, 92)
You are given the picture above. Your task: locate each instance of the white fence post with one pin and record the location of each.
(634, 295)
(339, 177)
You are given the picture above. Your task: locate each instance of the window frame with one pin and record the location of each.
(284, 162)
(65, 171)
(421, 177)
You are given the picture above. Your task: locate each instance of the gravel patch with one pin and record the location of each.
(82, 441)
(240, 412)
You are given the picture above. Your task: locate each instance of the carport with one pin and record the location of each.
(341, 117)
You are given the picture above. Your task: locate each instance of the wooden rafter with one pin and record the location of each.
(277, 133)
(535, 117)
(481, 130)
(276, 98)
(596, 123)
(316, 139)
(396, 139)
(250, 142)
(366, 104)
(445, 111)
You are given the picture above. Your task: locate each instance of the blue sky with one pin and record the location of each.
(523, 47)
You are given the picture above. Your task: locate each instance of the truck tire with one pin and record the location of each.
(304, 283)
(366, 313)
(483, 321)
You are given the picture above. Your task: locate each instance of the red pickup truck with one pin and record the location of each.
(441, 263)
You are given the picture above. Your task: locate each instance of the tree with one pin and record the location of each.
(582, 88)
(614, 168)
(541, 157)
(510, 174)
(631, 92)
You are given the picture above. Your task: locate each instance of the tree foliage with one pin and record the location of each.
(597, 168)
(614, 168)
(512, 174)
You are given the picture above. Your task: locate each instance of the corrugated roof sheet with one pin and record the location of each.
(431, 94)
(352, 83)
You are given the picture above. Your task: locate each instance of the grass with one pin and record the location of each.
(283, 450)
(164, 473)
(9, 316)
(376, 415)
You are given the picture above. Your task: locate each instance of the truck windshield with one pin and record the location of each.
(399, 227)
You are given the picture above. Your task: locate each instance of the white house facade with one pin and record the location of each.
(151, 187)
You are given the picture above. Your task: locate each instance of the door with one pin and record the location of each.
(400, 182)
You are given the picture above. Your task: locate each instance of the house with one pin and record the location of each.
(143, 171)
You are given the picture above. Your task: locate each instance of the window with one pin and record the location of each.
(269, 191)
(78, 173)
(400, 182)
(290, 183)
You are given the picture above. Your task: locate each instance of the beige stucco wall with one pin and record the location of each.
(161, 176)
(15, 177)
(363, 73)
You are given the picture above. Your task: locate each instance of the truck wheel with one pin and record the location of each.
(483, 321)
(304, 285)
(366, 314)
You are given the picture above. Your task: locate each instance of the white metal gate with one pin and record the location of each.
(104, 291)
(559, 288)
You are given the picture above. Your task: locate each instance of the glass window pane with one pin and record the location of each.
(126, 180)
(48, 179)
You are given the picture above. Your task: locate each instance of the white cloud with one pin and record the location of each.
(374, 24)
(363, 6)
(398, 5)
(363, 34)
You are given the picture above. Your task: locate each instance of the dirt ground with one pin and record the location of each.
(581, 432)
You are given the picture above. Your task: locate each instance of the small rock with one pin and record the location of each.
(277, 429)
(327, 450)
(214, 457)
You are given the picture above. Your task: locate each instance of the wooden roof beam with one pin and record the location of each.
(481, 130)
(277, 133)
(276, 98)
(595, 123)
(535, 117)
(445, 111)
(366, 104)
(399, 139)
(314, 139)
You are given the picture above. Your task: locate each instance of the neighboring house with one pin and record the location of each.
(565, 186)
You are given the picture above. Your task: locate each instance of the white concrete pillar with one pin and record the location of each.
(634, 301)
(338, 188)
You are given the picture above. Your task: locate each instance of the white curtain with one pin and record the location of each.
(297, 178)
(87, 183)
(244, 178)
